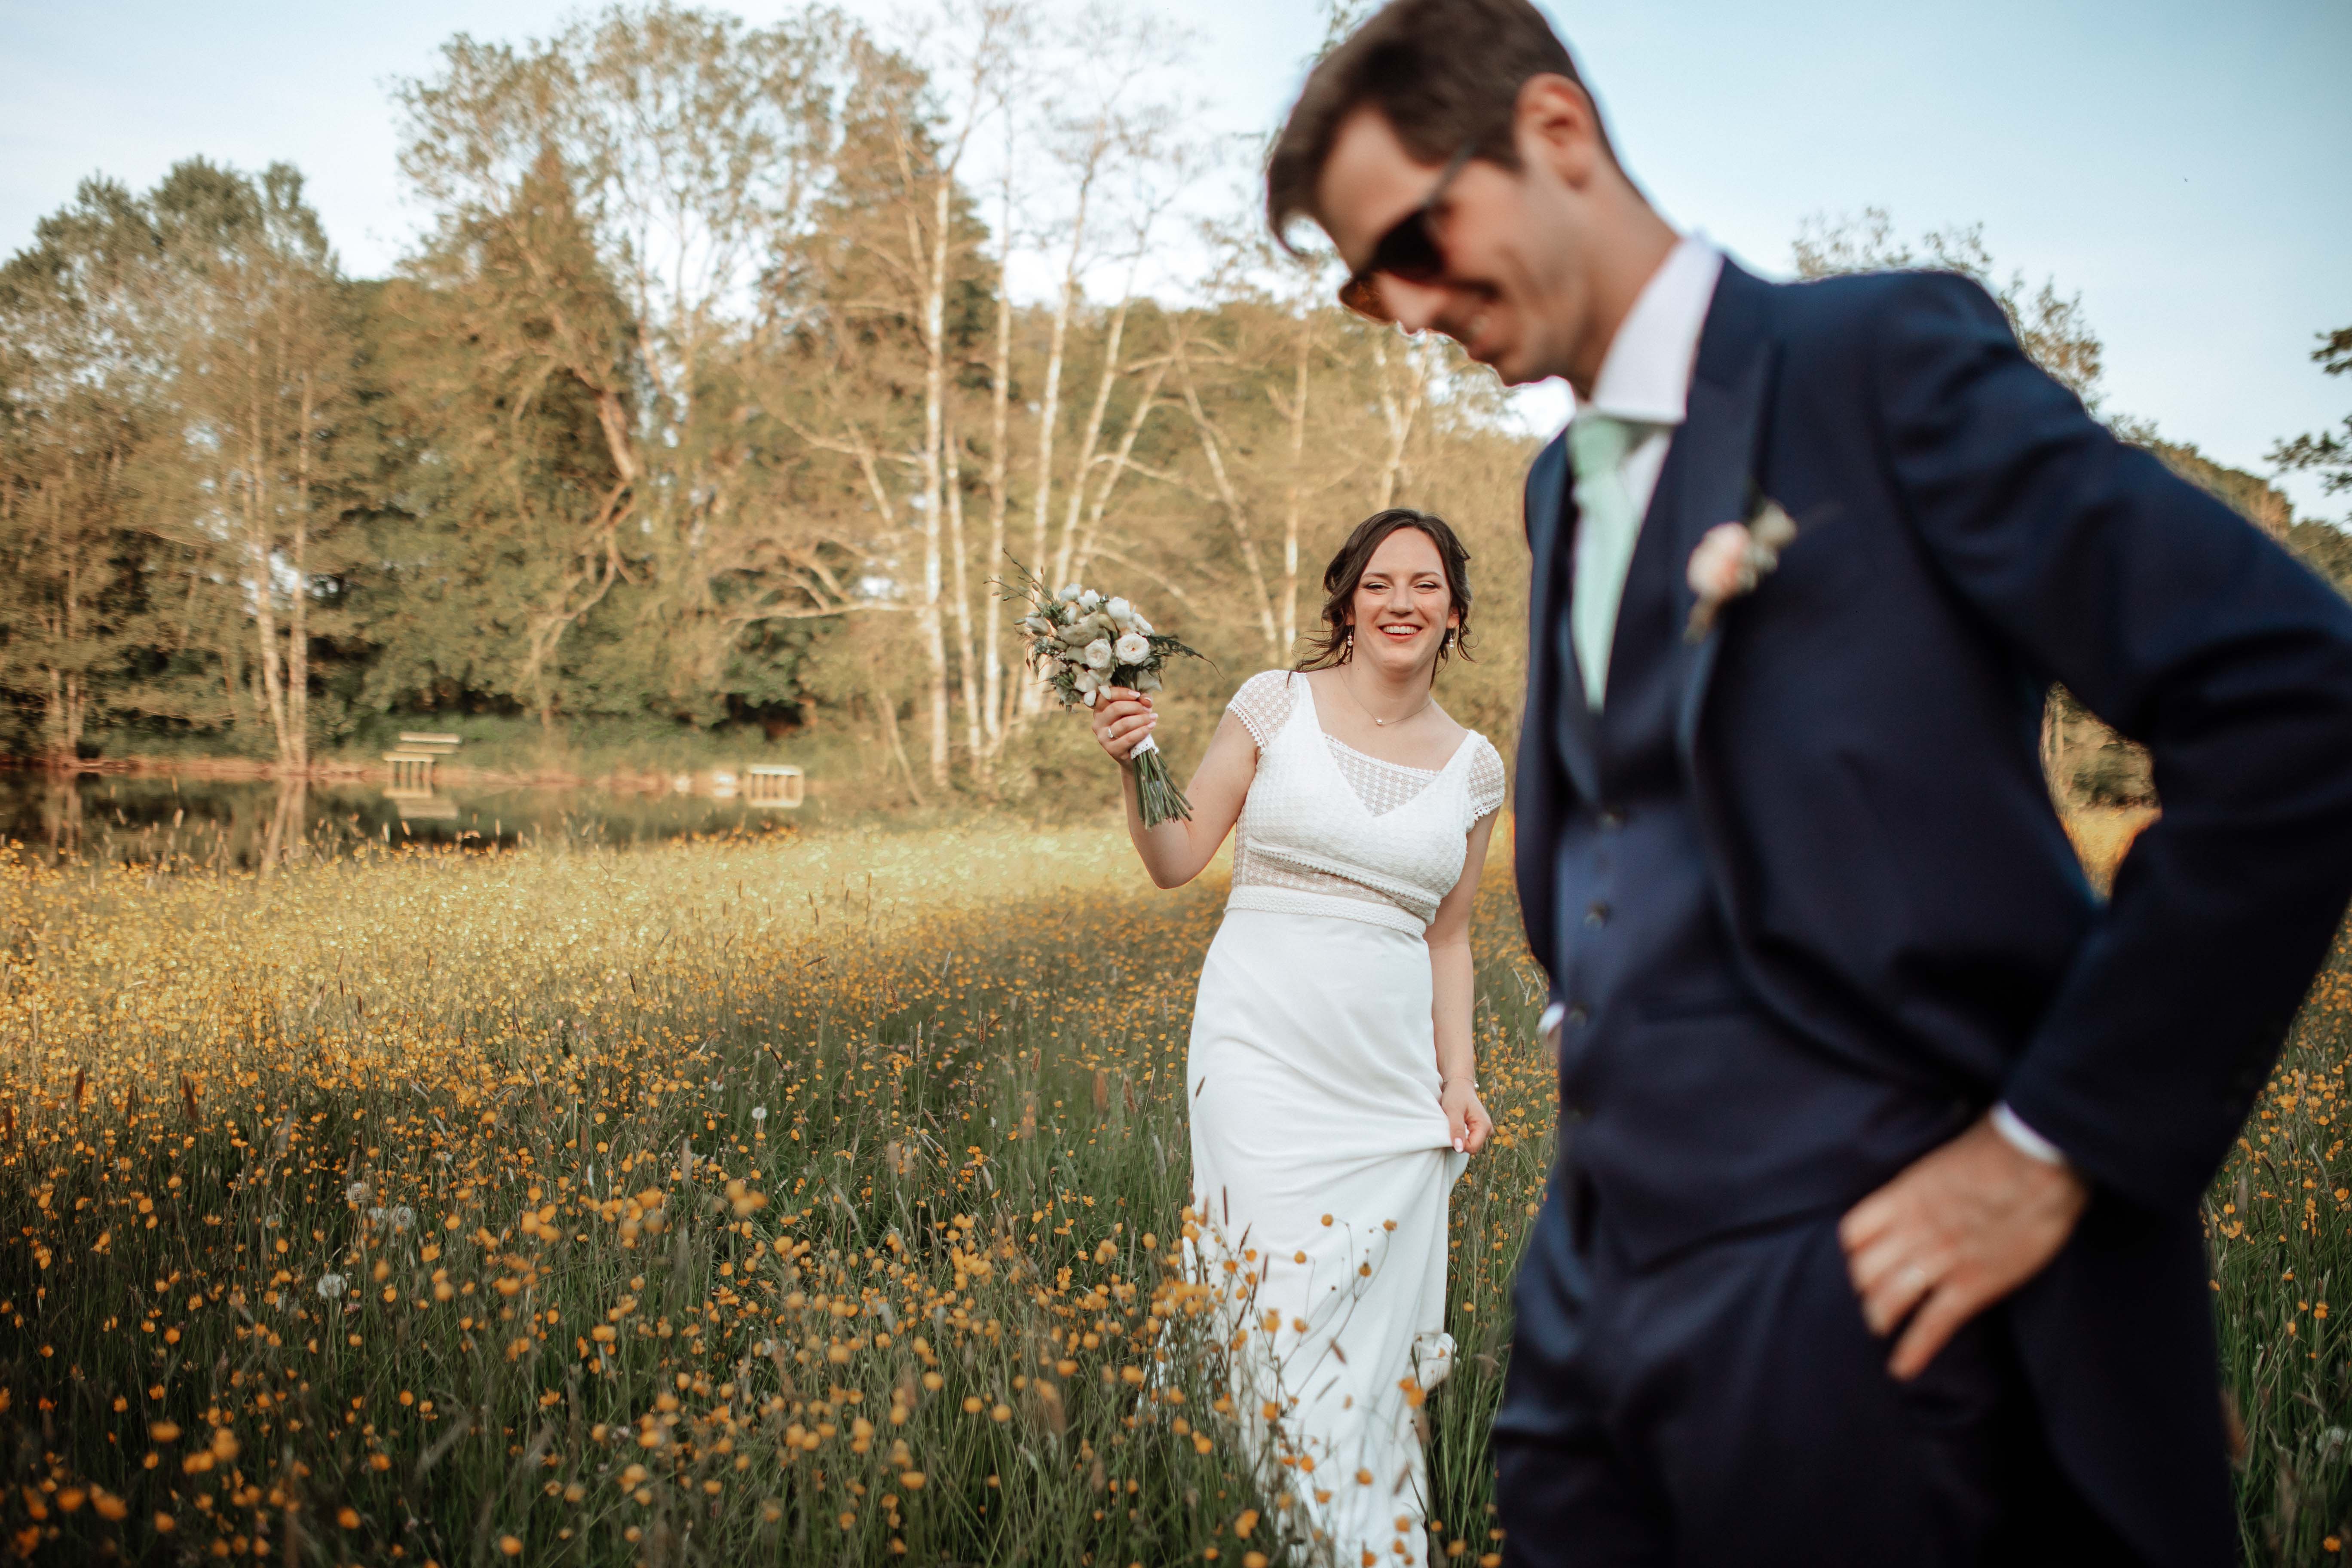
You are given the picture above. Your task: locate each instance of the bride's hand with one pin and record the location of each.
(1466, 1121)
(1121, 718)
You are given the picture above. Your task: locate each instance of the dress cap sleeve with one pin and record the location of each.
(1264, 705)
(1486, 782)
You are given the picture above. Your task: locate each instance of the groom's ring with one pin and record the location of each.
(1914, 1279)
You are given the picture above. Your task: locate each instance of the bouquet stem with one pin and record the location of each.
(1162, 800)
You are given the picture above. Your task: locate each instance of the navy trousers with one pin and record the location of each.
(1728, 1405)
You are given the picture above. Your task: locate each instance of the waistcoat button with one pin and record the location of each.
(1597, 916)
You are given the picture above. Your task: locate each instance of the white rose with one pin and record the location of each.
(1089, 601)
(1120, 610)
(1072, 592)
(1143, 625)
(1132, 648)
(1086, 684)
(1097, 654)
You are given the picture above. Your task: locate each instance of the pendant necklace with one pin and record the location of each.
(1376, 719)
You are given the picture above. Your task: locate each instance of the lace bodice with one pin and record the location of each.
(1328, 829)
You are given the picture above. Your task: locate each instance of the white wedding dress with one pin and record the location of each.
(1321, 1158)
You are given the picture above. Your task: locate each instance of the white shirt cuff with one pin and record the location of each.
(1550, 1020)
(2024, 1139)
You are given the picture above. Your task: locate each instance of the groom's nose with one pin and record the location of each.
(1415, 306)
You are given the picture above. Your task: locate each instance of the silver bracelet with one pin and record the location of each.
(1446, 1083)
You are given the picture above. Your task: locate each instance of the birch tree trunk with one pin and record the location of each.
(65, 698)
(259, 553)
(1000, 395)
(1294, 502)
(1049, 414)
(1398, 412)
(928, 618)
(967, 670)
(1066, 552)
(930, 262)
(298, 615)
(1120, 463)
(1237, 513)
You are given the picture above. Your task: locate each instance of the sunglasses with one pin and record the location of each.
(1409, 250)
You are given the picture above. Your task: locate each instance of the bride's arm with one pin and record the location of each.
(1175, 852)
(1454, 987)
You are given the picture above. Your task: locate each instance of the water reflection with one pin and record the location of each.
(290, 824)
(260, 824)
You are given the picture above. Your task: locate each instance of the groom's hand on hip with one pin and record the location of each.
(1957, 1231)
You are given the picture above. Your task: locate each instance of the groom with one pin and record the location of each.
(1873, 1237)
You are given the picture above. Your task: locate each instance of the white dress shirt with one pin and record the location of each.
(1645, 380)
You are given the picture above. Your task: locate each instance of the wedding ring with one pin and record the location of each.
(1914, 1279)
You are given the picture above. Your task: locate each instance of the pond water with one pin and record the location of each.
(150, 820)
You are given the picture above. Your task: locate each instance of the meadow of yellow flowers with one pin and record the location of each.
(812, 1197)
(817, 1197)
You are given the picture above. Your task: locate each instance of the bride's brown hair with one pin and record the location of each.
(1347, 569)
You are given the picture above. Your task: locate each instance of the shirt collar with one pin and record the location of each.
(1647, 375)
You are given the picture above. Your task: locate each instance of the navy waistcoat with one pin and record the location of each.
(1689, 1107)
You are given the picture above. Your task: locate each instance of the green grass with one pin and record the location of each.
(2279, 1226)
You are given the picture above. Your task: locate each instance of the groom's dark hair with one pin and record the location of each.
(1445, 74)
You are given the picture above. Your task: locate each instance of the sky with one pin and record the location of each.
(2183, 168)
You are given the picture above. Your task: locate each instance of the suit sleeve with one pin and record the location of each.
(2189, 630)
(1534, 786)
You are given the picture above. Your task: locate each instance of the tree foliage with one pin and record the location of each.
(719, 388)
(2328, 453)
(732, 368)
(2085, 760)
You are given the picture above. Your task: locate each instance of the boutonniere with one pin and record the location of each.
(1732, 558)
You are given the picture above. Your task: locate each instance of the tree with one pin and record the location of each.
(2328, 453)
(77, 416)
(512, 342)
(1108, 138)
(176, 369)
(709, 394)
(2081, 758)
(2051, 328)
(261, 348)
(903, 244)
(677, 158)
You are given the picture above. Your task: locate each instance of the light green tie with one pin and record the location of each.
(1597, 445)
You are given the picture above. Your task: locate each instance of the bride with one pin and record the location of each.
(1330, 1076)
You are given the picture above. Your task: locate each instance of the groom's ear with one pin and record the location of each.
(1558, 129)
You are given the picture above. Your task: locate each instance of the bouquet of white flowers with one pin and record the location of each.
(1082, 644)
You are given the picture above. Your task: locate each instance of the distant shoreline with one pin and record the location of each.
(452, 775)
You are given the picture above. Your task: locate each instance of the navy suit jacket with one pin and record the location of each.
(1860, 736)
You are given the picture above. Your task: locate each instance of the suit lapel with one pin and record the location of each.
(1717, 447)
(1551, 527)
